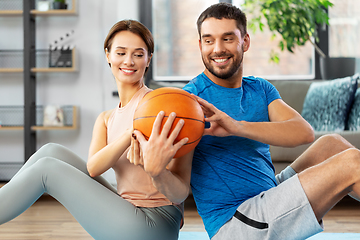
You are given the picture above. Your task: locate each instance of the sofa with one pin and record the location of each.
(339, 93)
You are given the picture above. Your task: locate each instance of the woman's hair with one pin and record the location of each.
(224, 10)
(134, 27)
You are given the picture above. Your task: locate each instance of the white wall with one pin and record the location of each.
(90, 88)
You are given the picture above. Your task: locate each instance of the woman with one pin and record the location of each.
(147, 201)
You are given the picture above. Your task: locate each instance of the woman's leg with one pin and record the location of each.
(103, 213)
(62, 153)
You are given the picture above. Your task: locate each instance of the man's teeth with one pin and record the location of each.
(220, 60)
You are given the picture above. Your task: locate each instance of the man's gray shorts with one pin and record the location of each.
(281, 213)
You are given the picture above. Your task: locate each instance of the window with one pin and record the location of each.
(344, 30)
(177, 55)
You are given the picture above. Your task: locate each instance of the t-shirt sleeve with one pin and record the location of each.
(271, 92)
(191, 88)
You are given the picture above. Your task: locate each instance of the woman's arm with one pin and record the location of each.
(103, 156)
(170, 176)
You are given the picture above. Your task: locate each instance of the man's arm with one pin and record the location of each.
(286, 126)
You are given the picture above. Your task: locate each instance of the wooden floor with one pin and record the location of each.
(47, 219)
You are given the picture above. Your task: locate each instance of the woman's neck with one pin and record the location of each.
(126, 92)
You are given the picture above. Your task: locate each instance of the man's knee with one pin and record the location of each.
(350, 159)
(331, 138)
(335, 141)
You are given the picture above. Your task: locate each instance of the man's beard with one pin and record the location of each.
(224, 75)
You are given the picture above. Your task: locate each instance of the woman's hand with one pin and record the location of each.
(134, 154)
(157, 152)
(221, 124)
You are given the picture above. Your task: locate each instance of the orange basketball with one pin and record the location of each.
(169, 99)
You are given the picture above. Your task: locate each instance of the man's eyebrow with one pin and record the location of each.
(205, 35)
(229, 33)
(224, 34)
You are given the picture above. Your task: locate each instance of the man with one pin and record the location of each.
(233, 182)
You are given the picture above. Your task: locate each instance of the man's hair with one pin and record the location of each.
(224, 10)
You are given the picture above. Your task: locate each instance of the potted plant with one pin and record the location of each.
(296, 21)
(59, 4)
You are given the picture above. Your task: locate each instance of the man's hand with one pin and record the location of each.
(221, 124)
(156, 153)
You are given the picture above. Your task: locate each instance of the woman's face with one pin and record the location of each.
(128, 57)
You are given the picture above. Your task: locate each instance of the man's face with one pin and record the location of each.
(222, 47)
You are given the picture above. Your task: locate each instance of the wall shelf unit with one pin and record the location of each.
(29, 62)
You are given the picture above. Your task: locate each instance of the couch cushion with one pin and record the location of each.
(327, 104)
(293, 92)
(354, 116)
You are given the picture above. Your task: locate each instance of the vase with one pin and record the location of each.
(58, 5)
(338, 67)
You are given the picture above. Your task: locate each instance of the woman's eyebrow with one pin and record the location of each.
(136, 49)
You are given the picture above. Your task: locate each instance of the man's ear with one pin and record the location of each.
(246, 43)
(200, 44)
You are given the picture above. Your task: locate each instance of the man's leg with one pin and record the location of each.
(331, 146)
(326, 183)
(322, 149)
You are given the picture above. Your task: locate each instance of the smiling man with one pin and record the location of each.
(236, 191)
(222, 49)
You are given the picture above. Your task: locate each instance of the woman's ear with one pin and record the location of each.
(107, 55)
(149, 60)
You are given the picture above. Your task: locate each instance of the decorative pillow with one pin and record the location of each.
(354, 116)
(327, 103)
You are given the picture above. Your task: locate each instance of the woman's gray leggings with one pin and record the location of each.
(94, 203)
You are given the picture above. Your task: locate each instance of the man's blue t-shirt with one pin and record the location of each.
(226, 171)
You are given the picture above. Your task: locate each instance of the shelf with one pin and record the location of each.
(55, 12)
(58, 12)
(11, 12)
(72, 127)
(11, 128)
(11, 70)
(14, 60)
(53, 69)
(52, 12)
(59, 69)
(16, 111)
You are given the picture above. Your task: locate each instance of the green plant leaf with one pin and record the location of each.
(295, 20)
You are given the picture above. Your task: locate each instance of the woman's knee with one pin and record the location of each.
(50, 147)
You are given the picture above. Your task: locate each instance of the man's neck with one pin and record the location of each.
(234, 82)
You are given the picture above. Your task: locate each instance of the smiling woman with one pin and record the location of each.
(128, 58)
(144, 205)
